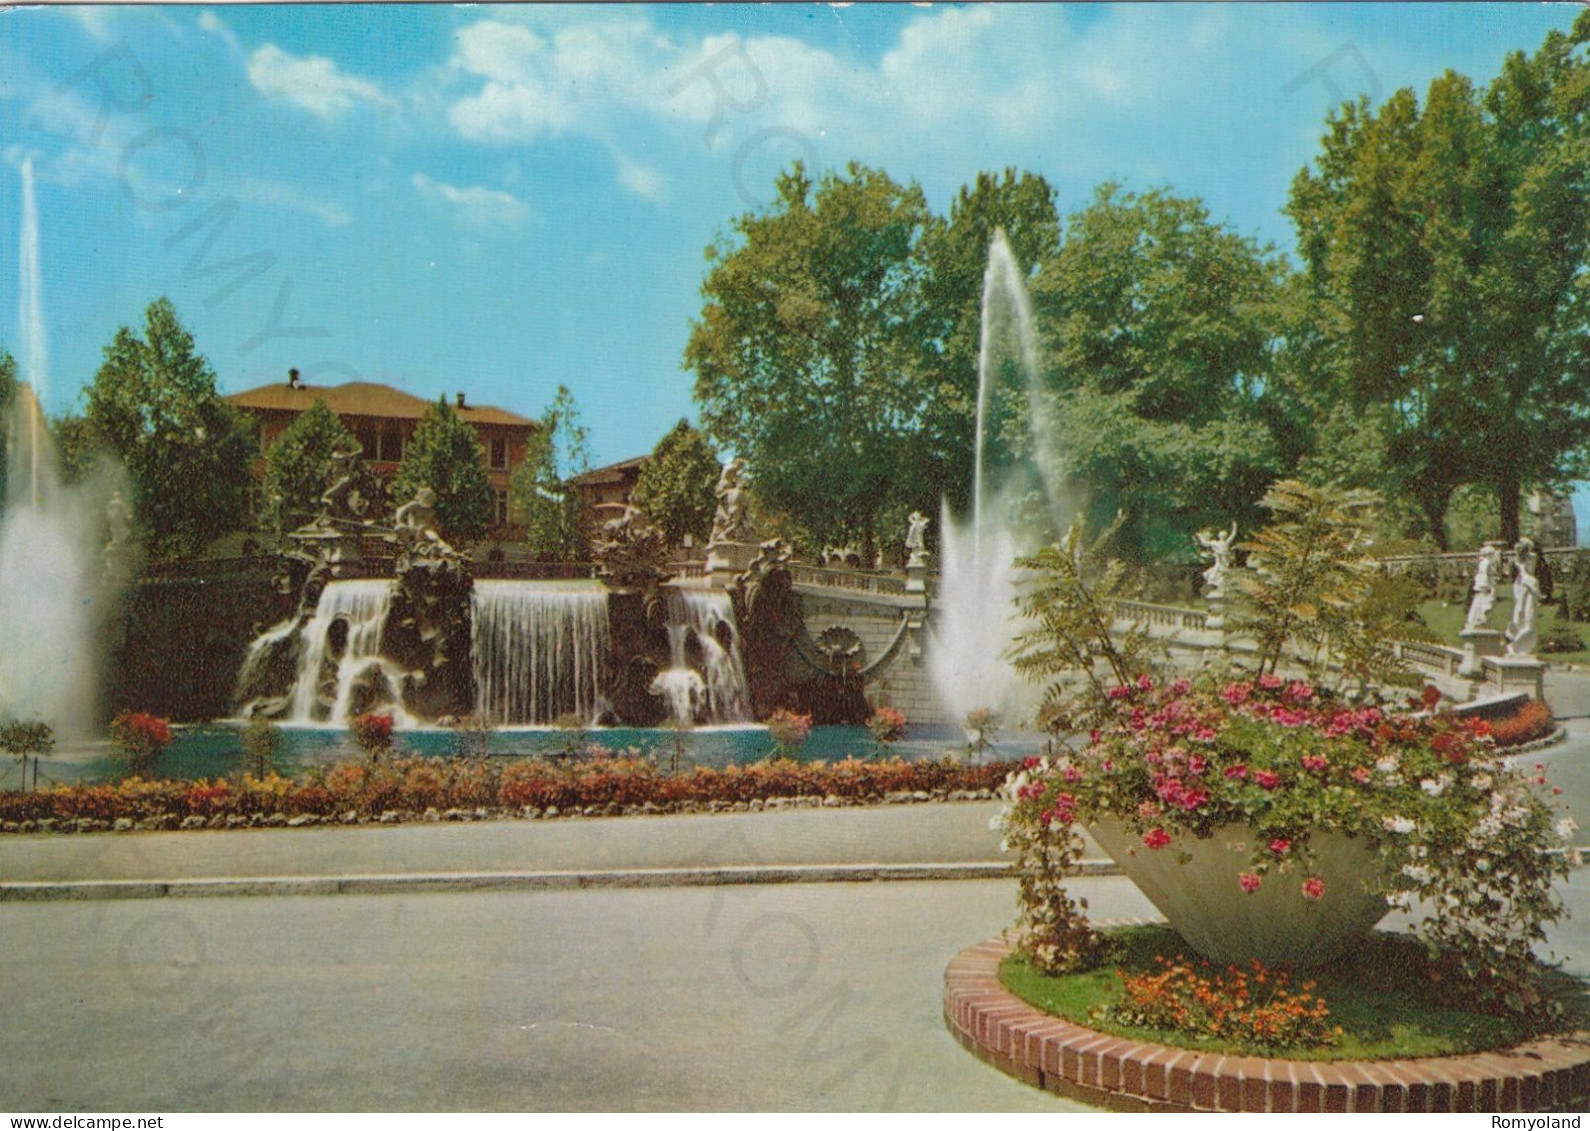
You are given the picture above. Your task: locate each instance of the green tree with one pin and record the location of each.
(954, 254)
(1160, 326)
(803, 354)
(298, 464)
(445, 454)
(77, 446)
(153, 403)
(1446, 250)
(541, 491)
(676, 487)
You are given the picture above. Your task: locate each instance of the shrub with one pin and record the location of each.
(982, 730)
(262, 740)
(1531, 721)
(887, 726)
(789, 732)
(24, 740)
(373, 734)
(140, 738)
(1560, 636)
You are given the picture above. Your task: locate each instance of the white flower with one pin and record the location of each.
(1567, 827)
(1388, 764)
(1397, 824)
(1435, 787)
(1482, 865)
(1418, 873)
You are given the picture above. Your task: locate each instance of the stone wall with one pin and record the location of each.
(875, 618)
(176, 645)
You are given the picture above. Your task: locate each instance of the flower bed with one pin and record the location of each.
(414, 785)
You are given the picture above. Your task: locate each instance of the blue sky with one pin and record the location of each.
(500, 199)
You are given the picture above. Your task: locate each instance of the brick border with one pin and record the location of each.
(1125, 1075)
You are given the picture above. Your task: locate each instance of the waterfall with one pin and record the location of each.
(718, 688)
(363, 607)
(539, 650)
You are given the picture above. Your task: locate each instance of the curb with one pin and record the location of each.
(79, 890)
(1122, 1074)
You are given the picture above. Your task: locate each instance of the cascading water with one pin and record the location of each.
(53, 591)
(718, 690)
(540, 650)
(362, 608)
(973, 625)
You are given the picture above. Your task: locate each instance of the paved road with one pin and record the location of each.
(950, 833)
(780, 997)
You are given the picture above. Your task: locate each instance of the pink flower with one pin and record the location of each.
(1120, 692)
(1148, 810)
(1181, 687)
(1267, 778)
(1270, 681)
(1156, 837)
(1234, 772)
(1235, 693)
(1299, 691)
(1029, 763)
(1197, 764)
(1073, 774)
(1280, 845)
(1144, 683)
(1313, 888)
(1030, 791)
(1362, 775)
(1250, 882)
(1316, 762)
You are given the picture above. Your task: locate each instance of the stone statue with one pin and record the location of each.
(343, 503)
(1485, 573)
(631, 553)
(1218, 547)
(731, 523)
(1526, 598)
(415, 518)
(118, 551)
(916, 540)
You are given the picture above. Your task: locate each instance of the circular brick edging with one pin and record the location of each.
(1047, 1052)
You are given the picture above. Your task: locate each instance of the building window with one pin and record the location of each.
(499, 454)
(500, 508)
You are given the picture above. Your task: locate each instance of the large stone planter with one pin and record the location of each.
(1204, 901)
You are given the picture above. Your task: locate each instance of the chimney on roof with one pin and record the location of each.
(461, 403)
(292, 379)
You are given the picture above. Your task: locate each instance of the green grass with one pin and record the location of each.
(1380, 996)
(1446, 618)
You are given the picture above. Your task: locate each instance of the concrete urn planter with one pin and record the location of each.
(1204, 901)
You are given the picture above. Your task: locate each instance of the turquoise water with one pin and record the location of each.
(216, 750)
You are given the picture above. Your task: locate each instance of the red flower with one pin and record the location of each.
(1313, 888)
(1156, 837)
(1266, 778)
(1362, 775)
(1236, 772)
(1144, 683)
(1250, 882)
(1280, 845)
(1270, 681)
(1430, 696)
(1316, 762)
(1029, 763)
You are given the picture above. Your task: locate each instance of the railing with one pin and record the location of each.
(694, 569)
(1435, 659)
(857, 580)
(533, 571)
(1162, 616)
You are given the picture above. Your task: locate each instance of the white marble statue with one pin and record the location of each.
(1218, 547)
(916, 539)
(731, 523)
(1485, 575)
(1526, 598)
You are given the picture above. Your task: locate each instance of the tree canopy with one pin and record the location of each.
(298, 463)
(1158, 324)
(445, 454)
(541, 493)
(802, 355)
(153, 403)
(676, 488)
(1446, 248)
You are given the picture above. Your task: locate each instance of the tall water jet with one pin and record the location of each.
(51, 592)
(974, 614)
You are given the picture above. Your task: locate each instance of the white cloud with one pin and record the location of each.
(215, 25)
(477, 205)
(311, 82)
(277, 195)
(642, 180)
